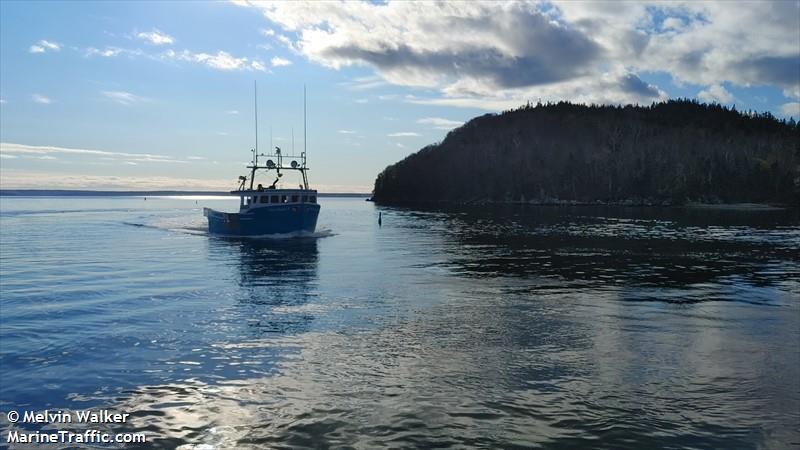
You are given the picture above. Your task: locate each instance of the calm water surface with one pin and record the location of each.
(501, 328)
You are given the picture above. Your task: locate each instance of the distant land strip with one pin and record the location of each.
(90, 193)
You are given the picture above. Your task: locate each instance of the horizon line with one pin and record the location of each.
(5, 191)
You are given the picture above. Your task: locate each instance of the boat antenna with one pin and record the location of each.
(255, 150)
(293, 140)
(305, 142)
(255, 104)
(305, 139)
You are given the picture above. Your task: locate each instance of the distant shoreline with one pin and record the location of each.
(738, 206)
(89, 193)
(620, 204)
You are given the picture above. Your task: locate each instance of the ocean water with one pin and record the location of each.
(517, 327)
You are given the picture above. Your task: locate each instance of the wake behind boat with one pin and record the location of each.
(271, 210)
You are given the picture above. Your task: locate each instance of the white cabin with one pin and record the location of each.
(249, 199)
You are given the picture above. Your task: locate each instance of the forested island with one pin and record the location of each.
(667, 153)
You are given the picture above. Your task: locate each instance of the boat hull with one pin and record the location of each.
(279, 219)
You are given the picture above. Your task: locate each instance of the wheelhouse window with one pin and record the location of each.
(264, 199)
(283, 199)
(274, 199)
(305, 199)
(312, 199)
(294, 198)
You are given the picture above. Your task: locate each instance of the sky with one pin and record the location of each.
(159, 95)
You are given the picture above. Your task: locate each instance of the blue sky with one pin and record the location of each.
(152, 95)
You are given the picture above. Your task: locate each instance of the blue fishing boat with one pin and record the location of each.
(270, 210)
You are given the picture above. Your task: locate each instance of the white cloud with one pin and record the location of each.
(277, 61)
(791, 109)
(361, 100)
(8, 148)
(110, 52)
(716, 93)
(605, 88)
(673, 24)
(17, 179)
(500, 54)
(364, 83)
(32, 180)
(156, 37)
(123, 97)
(267, 32)
(258, 65)
(232, 112)
(440, 123)
(479, 102)
(714, 44)
(403, 134)
(346, 132)
(3, 101)
(221, 60)
(792, 92)
(44, 46)
(50, 45)
(286, 41)
(39, 98)
(501, 44)
(5, 156)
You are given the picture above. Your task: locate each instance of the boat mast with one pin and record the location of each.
(270, 164)
(305, 141)
(255, 150)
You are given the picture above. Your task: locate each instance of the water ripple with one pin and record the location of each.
(493, 328)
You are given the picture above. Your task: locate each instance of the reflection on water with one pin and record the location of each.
(496, 328)
(462, 376)
(601, 248)
(272, 262)
(277, 279)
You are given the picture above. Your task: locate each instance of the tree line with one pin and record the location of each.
(666, 153)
